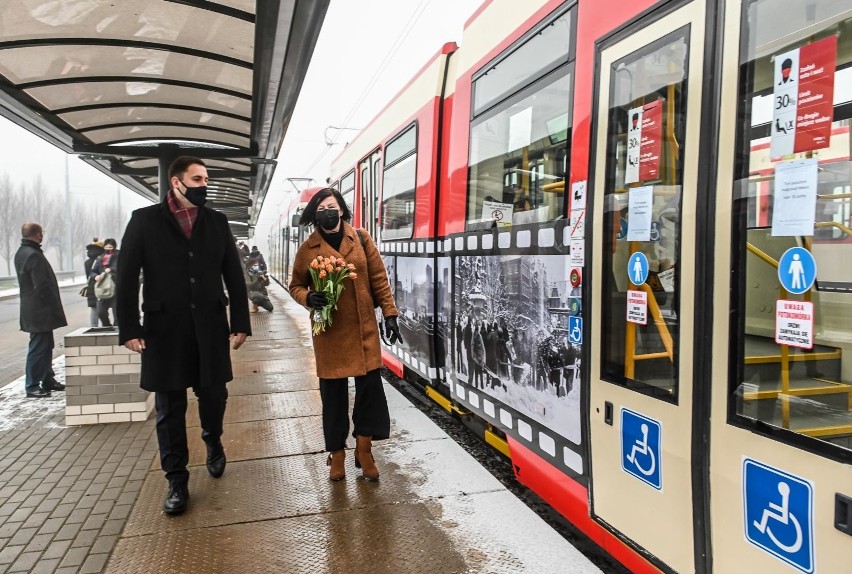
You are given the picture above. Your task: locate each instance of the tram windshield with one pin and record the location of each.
(793, 220)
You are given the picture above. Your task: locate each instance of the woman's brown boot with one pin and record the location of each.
(335, 461)
(364, 457)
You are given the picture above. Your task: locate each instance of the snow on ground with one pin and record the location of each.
(16, 410)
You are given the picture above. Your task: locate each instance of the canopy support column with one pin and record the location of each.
(168, 153)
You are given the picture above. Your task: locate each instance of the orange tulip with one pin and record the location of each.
(329, 268)
(351, 267)
(353, 276)
(322, 274)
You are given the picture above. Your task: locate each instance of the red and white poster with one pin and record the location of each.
(637, 307)
(794, 323)
(803, 98)
(644, 142)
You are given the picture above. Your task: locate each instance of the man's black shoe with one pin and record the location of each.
(216, 460)
(52, 386)
(177, 499)
(38, 394)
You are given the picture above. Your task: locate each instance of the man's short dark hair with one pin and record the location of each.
(29, 230)
(181, 164)
(309, 216)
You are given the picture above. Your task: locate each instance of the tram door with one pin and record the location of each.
(645, 175)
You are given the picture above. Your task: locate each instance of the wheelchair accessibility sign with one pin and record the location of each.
(575, 330)
(779, 513)
(641, 441)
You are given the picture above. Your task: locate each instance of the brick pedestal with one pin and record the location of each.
(102, 380)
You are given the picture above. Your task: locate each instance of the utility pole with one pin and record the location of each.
(69, 266)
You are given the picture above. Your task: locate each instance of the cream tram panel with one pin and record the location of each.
(424, 89)
(729, 445)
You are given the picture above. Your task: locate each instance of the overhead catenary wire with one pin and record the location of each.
(389, 55)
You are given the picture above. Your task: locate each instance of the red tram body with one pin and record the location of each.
(658, 406)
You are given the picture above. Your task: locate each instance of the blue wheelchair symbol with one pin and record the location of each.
(779, 514)
(637, 268)
(575, 330)
(797, 270)
(641, 448)
(622, 229)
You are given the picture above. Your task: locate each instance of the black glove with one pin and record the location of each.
(317, 299)
(392, 330)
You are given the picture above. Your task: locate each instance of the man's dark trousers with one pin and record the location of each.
(171, 425)
(39, 359)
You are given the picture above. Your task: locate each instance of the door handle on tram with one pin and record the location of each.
(608, 413)
(843, 513)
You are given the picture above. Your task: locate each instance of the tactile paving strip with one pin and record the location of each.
(297, 485)
(261, 439)
(272, 383)
(246, 408)
(382, 539)
(305, 366)
(286, 437)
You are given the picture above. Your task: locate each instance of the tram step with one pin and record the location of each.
(764, 362)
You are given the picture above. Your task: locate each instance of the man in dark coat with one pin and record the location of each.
(185, 251)
(41, 311)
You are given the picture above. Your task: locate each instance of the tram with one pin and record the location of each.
(619, 235)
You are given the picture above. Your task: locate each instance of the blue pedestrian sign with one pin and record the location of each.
(637, 268)
(797, 270)
(575, 330)
(779, 513)
(641, 442)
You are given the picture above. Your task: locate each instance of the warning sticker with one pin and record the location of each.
(637, 307)
(794, 323)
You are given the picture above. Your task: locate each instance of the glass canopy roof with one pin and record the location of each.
(114, 81)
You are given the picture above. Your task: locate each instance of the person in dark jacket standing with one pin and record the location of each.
(185, 252)
(106, 264)
(41, 311)
(93, 251)
(256, 258)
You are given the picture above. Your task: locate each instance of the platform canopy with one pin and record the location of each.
(131, 84)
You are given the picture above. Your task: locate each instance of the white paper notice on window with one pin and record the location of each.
(499, 212)
(640, 207)
(794, 201)
(520, 129)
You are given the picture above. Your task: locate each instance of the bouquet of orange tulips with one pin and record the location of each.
(327, 275)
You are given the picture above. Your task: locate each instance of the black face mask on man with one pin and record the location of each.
(197, 196)
(328, 218)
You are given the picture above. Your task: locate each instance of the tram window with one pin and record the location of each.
(518, 154)
(347, 190)
(644, 179)
(399, 185)
(790, 353)
(548, 47)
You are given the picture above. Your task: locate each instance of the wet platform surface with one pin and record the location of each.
(434, 510)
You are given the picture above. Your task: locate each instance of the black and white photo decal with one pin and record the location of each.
(444, 300)
(511, 336)
(415, 300)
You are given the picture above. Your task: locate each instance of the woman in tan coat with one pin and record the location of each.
(349, 347)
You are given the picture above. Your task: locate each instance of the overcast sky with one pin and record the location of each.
(380, 41)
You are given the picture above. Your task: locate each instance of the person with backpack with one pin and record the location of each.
(93, 251)
(104, 272)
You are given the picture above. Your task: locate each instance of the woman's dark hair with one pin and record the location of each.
(111, 241)
(309, 216)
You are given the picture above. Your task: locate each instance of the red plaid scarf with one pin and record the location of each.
(185, 216)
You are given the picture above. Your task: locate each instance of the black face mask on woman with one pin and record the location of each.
(328, 218)
(197, 196)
